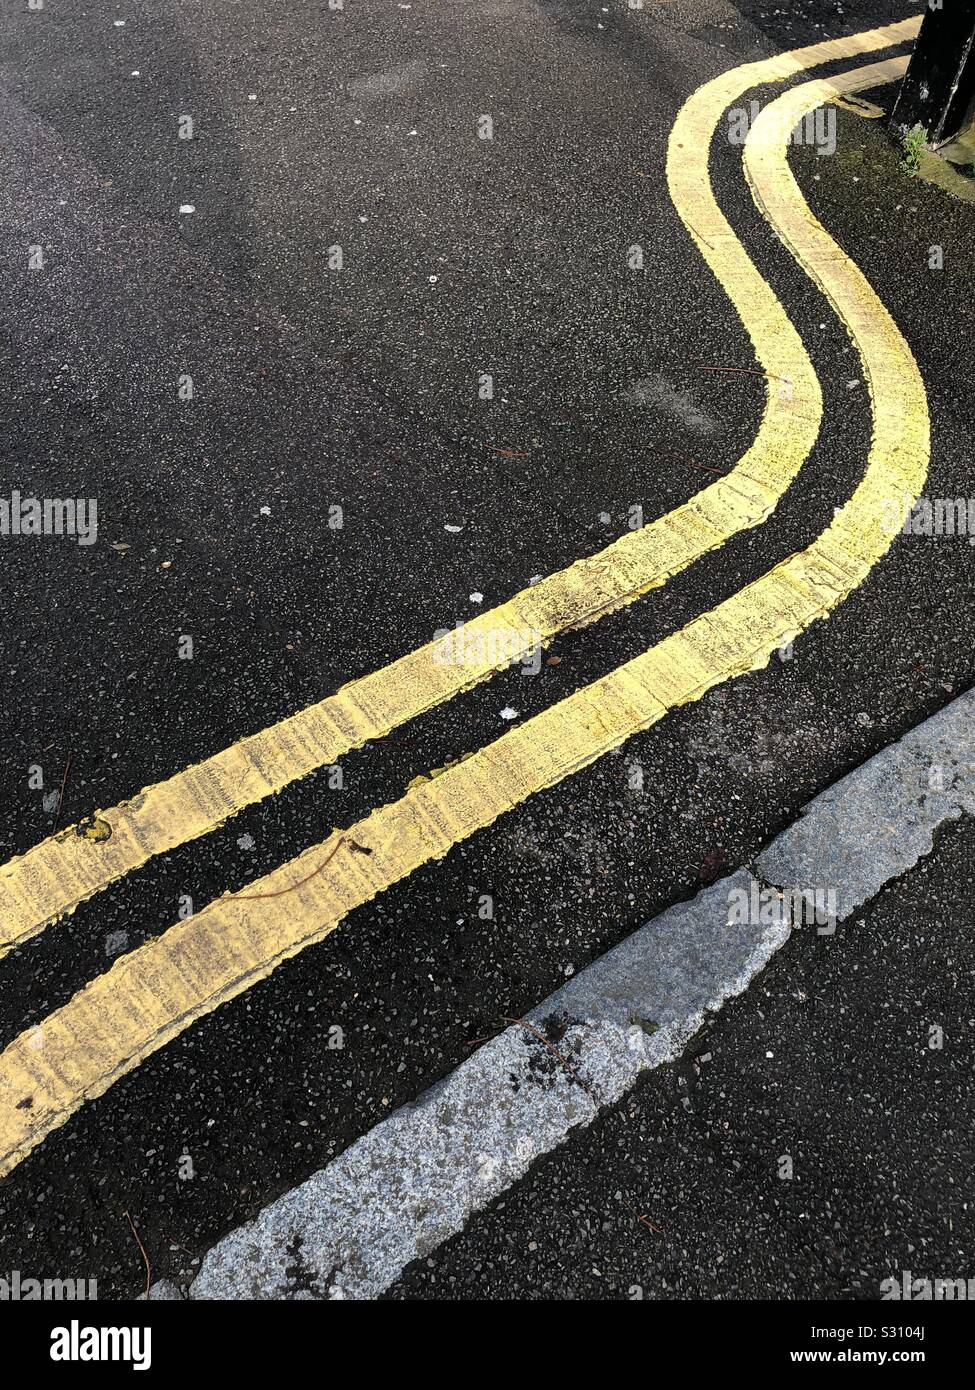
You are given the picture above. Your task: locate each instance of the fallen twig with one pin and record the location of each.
(280, 892)
(751, 371)
(178, 1245)
(573, 1072)
(143, 1250)
(67, 769)
(720, 472)
(645, 1220)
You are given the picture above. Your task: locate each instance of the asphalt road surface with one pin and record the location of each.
(355, 393)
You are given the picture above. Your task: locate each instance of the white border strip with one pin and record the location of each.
(406, 1186)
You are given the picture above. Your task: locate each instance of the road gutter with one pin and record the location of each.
(414, 1180)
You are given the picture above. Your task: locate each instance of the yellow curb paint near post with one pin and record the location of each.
(51, 879)
(150, 996)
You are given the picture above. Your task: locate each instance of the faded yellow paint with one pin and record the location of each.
(152, 994)
(52, 878)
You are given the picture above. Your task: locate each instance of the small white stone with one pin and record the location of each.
(476, 597)
(509, 713)
(186, 208)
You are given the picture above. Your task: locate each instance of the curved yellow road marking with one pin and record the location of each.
(52, 878)
(150, 996)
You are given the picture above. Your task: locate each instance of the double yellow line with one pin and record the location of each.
(151, 995)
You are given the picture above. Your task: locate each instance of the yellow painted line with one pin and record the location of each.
(151, 995)
(52, 878)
